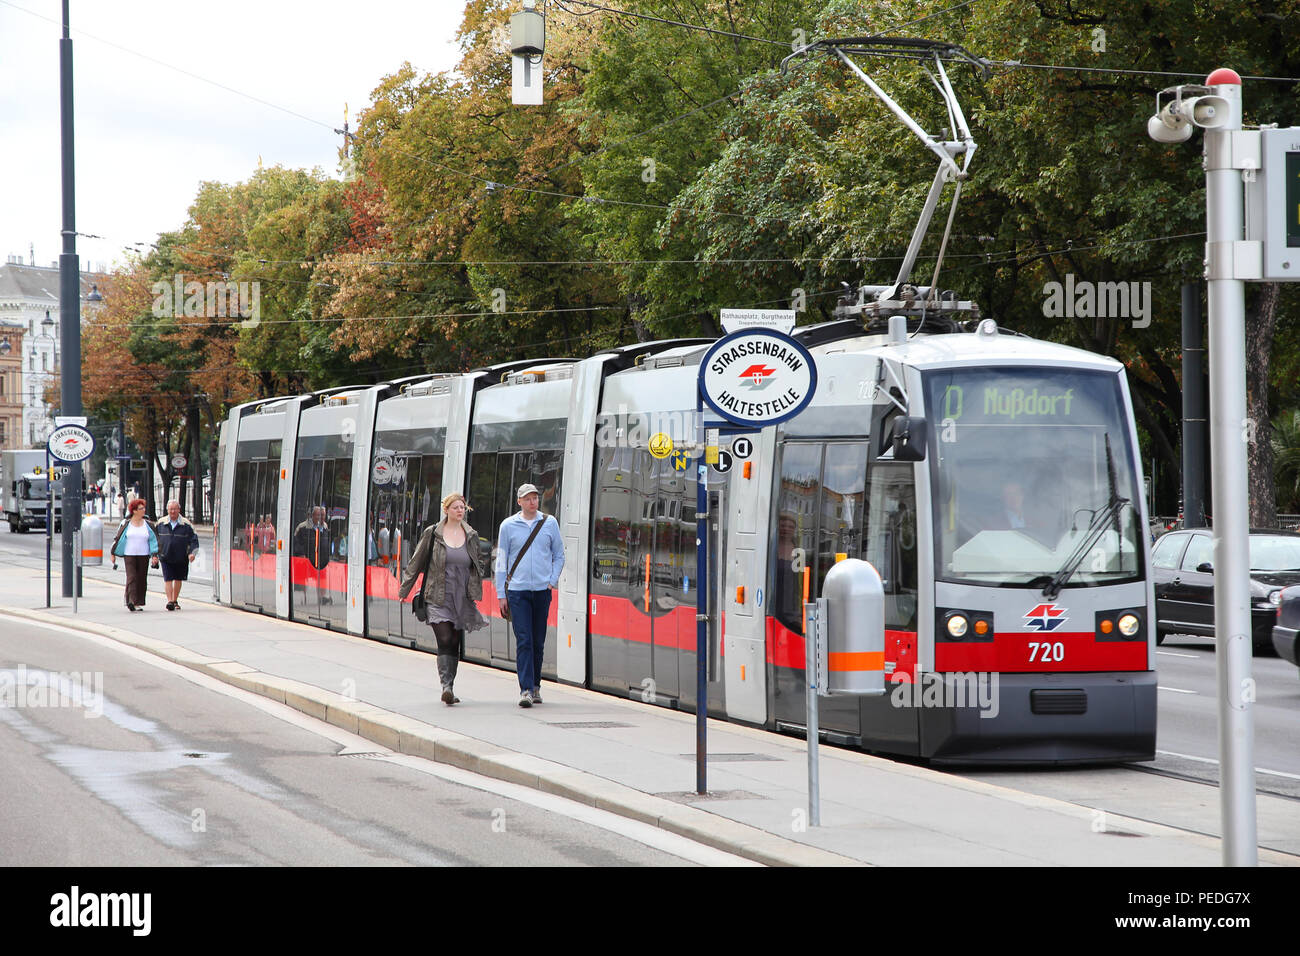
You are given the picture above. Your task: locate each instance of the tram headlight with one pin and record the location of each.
(1129, 624)
(957, 625)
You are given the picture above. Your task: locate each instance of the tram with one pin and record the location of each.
(992, 479)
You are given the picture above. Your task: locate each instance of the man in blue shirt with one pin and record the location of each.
(527, 594)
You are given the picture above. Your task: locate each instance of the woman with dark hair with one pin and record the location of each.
(135, 544)
(448, 557)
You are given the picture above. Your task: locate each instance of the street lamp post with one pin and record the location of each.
(70, 309)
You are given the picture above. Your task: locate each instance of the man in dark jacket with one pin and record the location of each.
(177, 547)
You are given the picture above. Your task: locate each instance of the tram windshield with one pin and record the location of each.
(1030, 465)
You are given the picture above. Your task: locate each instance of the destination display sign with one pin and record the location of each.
(995, 403)
(757, 377)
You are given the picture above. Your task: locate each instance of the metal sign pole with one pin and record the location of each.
(812, 632)
(49, 522)
(702, 608)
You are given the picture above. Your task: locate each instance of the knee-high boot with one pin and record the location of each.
(447, 674)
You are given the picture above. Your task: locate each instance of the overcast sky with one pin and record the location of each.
(148, 134)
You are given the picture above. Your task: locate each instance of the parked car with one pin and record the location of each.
(1182, 565)
(1287, 624)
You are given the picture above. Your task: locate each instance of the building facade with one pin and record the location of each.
(29, 322)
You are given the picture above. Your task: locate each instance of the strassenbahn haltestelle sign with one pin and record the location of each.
(757, 377)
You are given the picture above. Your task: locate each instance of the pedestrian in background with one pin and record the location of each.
(178, 545)
(135, 544)
(530, 557)
(448, 557)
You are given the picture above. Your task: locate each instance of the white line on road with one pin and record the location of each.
(1195, 657)
(1275, 773)
(1175, 690)
(643, 833)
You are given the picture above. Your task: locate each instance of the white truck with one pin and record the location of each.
(25, 484)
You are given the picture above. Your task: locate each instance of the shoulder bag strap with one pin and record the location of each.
(520, 556)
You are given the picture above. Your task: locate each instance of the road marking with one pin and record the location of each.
(643, 833)
(1174, 690)
(1274, 773)
(1195, 657)
(632, 829)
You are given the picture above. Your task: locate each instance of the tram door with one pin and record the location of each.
(253, 534)
(318, 565)
(666, 572)
(820, 513)
(663, 572)
(383, 558)
(494, 478)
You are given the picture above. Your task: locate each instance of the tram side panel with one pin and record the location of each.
(581, 445)
(220, 515)
(321, 506)
(508, 447)
(643, 578)
(406, 486)
(253, 500)
(366, 407)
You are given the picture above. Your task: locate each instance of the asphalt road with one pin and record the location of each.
(113, 760)
(1187, 736)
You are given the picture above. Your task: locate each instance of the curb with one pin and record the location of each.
(406, 735)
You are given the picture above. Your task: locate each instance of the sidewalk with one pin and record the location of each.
(627, 757)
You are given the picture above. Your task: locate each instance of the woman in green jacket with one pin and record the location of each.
(136, 545)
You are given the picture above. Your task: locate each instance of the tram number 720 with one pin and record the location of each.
(1050, 651)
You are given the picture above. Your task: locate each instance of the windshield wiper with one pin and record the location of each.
(1098, 525)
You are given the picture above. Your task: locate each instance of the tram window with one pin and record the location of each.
(891, 540)
(611, 530)
(429, 489)
(482, 495)
(338, 494)
(796, 539)
(841, 509)
(545, 474)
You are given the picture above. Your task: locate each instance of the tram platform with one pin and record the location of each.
(628, 757)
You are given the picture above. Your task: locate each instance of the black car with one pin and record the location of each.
(1182, 564)
(1287, 624)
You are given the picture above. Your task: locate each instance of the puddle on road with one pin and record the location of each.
(121, 778)
(132, 780)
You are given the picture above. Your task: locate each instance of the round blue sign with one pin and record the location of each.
(757, 377)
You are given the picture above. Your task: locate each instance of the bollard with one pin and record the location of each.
(855, 630)
(92, 541)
